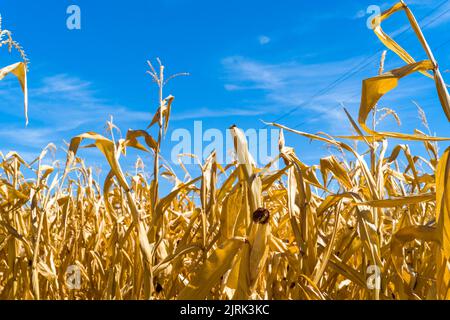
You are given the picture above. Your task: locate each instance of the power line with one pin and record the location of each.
(350, 73)
(304, 122)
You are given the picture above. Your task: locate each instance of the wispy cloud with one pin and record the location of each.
(292, 84)
(274, 88)
(263, 40)
(249, 74)
(61, 106)
(360, 14)
(210, 113)
(72, 88)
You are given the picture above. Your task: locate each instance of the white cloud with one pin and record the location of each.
(263, 40)
(360, 14)
(252, 74)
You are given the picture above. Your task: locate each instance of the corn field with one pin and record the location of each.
(300, 232)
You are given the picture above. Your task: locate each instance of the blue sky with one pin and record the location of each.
(248, 60)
